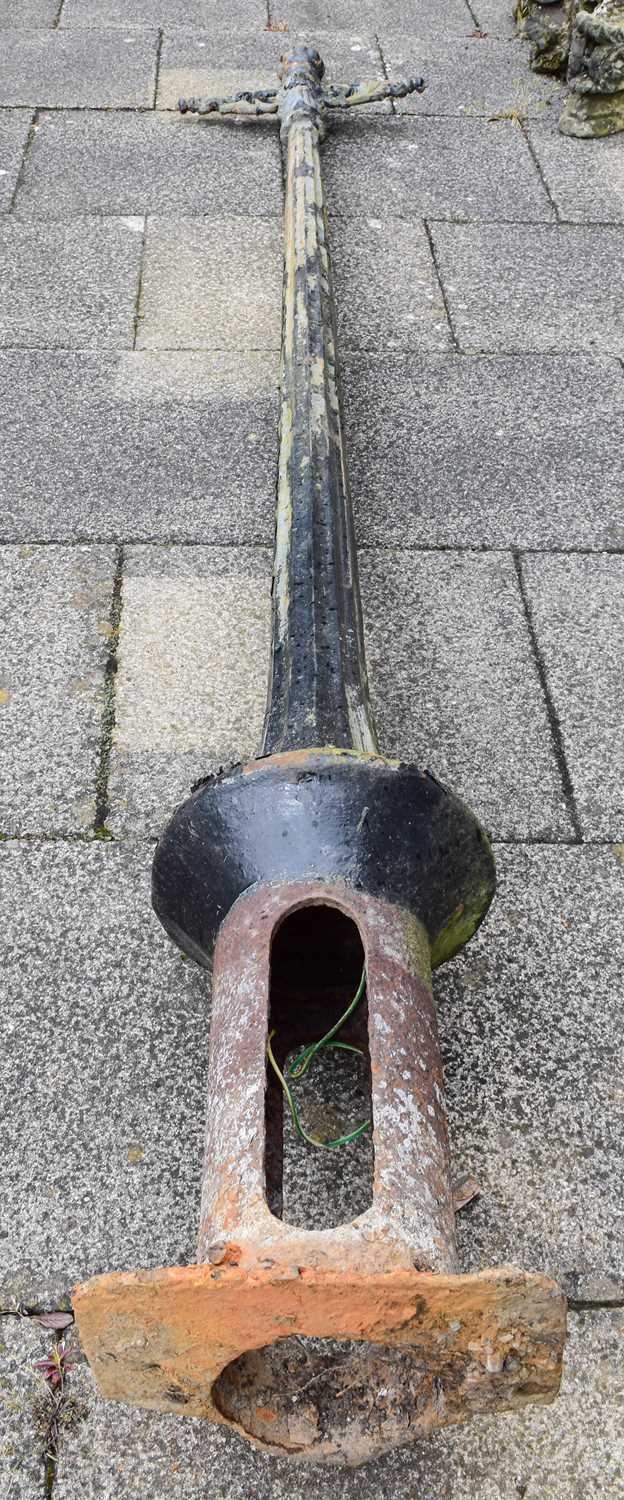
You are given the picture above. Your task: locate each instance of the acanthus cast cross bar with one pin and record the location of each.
(320, 861)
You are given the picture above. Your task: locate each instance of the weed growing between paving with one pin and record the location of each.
(55, 1410)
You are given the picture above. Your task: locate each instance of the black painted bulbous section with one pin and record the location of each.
(380, 826)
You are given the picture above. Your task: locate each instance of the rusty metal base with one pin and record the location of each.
(424, 1350)
(335, 1344)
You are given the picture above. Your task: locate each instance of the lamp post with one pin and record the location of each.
(322, 882)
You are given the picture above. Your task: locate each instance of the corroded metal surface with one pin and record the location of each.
(318, 862)
(482, 1343)
(378, 1303)
(411, 1220)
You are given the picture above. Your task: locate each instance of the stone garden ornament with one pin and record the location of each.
(584, 39)
(322, 882)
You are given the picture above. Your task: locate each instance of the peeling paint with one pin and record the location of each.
(321, 819)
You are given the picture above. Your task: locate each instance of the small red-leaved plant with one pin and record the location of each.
(55, 1366)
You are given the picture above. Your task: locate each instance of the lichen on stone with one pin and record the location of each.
(595, 104)
(585, 40)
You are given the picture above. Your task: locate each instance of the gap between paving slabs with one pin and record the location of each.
(36, 1404)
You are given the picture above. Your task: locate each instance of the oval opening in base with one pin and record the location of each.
(317, 962)
(329, 1400)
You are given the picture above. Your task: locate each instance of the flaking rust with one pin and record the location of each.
(288, 875)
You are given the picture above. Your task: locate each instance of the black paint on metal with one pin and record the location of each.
(320, 802)
(388, 829)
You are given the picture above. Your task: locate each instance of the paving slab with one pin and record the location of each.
(531, 1065)
(453, 678)
(333, 1098)
(70, 285)
(494, 451)
(220, 63)
(54, 629)
(387, 291)
(218, 13)
(18, 1294)
(570, 1449)
(192, 671)
(532, 287)
(105, 1027)
(59, 69)
(469, 75)
(578, 609)
(443, 450)
(445, 15)
(92, 163)
(586, 184)
(451, 672)
(138, 446)
(207, 285)
(22, 1408)
(29, 15)
(457, 169)
(496, 17)
(14, 128)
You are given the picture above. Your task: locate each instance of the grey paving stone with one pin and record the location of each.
(578, 608)
(468, 76)
(60, 69)
(406, 167)
(586, 185)
(14, 127)
(22, 1408)
(219, 63)
(387, 292)
(90, 13)
(497, 19)
(206, 286)
(54, 628)
(570, 1449)
(531, 1053)
(454, 684)
(212, 284)
(70, 285)
(18, 1293)
(451, 675)
(442, 450)
(191, 681)
(453, 451)
(171, 446)
(533, 287)
(88, 163)
(105, 1045)
(27, 14)
(445, 15)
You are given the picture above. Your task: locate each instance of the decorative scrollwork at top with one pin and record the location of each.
(301, 97)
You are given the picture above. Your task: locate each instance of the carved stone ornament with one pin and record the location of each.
(595, 104)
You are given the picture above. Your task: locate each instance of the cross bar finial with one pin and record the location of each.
(302, 94)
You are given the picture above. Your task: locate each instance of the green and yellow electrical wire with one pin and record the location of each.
(301, 1065)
